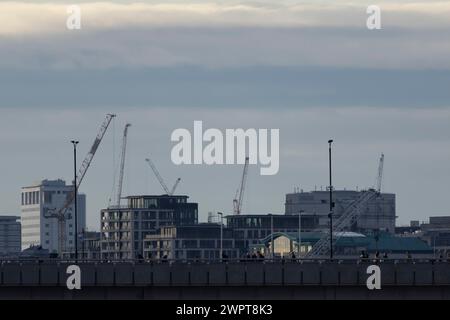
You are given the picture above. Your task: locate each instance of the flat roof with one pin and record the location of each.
(5, 217)
(156, 196)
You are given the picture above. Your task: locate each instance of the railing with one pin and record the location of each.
(338, 260)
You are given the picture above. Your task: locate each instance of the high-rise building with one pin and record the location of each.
(9, 235)
(124, 228)
(378, 214)
(37, 202)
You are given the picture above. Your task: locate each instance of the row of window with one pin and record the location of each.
(34, 197)
(30, 198)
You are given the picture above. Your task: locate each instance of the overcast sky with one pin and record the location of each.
(310, 68)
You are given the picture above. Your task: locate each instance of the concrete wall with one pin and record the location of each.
(247, 280)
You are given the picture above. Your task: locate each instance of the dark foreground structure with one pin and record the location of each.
(232, 280)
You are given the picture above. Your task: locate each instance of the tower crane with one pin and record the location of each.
(239, 197)
(122, 164)
(380, 173)
(161, 180)
(175, 186)
(62, 214)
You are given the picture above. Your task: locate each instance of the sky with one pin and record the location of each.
(309, 68)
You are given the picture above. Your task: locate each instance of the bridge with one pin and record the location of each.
(237, 280)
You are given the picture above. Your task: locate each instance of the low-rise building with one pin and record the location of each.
(249, 229)
(195, 242)
(437, 234)
(348, 245)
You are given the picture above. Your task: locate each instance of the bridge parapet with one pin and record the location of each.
(325, 273)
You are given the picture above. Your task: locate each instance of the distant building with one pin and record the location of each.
(89, 245)
(349, 244)
(201, 241)
(10, 236)
(437, 234)
(413, 228)
(379, 213)
(124, 228)
(249, 229)
(36, 202)
(34, 252)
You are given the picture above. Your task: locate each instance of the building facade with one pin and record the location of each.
(89, 244)
(248, 230)
(10, 236)
(37, 201)
(348, 245)
(378, 215)
(195, 242)
(437, 234)
(124, 228)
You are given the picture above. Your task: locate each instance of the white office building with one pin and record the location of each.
(40, 199)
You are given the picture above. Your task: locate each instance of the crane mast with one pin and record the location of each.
(61, 215)
(122, 164)
(237, 202)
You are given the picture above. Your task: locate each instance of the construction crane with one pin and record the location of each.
(122, 164)
(341, 224)
(175, 186)
(161, 180)
(239, 197)
(61, 215)
(380, 173)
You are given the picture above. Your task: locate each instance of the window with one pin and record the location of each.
(47, 197)
(207, 244)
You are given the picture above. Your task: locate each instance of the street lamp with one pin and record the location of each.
(74, 143)
(299, 233)
(221, 235)
(331, 201)
(271, 237)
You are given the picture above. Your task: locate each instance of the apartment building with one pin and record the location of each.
(123, 228)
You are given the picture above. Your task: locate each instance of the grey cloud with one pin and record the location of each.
(389, 48)
(250, 87)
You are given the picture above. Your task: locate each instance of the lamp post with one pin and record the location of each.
(299, 233)
(271, 237)
(221, 235)
(331, 201)
(74, 143)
